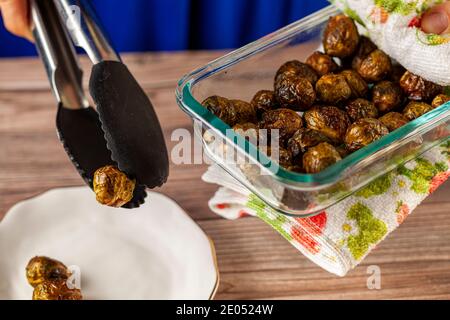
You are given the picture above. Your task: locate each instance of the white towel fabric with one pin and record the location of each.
(393, 25)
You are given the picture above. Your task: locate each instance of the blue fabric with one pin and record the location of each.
(150, 25)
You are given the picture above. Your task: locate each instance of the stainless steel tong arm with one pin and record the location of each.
(86, 30)
(58, 54)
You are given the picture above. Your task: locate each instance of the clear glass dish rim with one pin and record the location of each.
(331, 174)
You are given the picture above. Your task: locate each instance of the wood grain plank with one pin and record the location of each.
(255, 262)
(151, 70)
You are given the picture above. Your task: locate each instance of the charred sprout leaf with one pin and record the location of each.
(361, 108)
(320, 157)
(417, 88)
(365, 47)
(299, 69)
(40, 269)
(322, 63)
(333, 89)
(303, 139)
(55, 290)
(285, 120)
(415, 109)
(363, 132)
(329, 120)
(264, 100)
(439, 100)
(294, 92)
(112, 187)
(357, 84)
(393, 120)
(341, 37)
(387, 96)
(375, 67)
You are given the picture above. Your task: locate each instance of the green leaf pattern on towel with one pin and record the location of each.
(397, 6)
(377, 187)
(276, 221)
(422, 174)
(370, 230)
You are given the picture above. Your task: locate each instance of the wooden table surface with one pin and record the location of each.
(254, 261)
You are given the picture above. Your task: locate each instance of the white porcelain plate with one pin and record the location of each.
(153, 252)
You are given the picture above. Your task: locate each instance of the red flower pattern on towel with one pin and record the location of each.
(415, 22)
(379, 15)
(243, 214)
(402, 212)
(222, 206)
(307, 229)
(438, 179)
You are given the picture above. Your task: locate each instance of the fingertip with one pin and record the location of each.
(437, 19)
(16, 17)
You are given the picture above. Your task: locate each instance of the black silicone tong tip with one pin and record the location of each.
(83, 139)
(131, 127)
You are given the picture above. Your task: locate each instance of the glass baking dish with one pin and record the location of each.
(241, 73)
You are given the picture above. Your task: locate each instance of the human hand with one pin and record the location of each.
(437, 19)
(16, 17)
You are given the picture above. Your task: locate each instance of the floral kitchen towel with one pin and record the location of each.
(394, 26)
(340, 237)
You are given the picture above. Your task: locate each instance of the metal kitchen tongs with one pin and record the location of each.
(124, 130)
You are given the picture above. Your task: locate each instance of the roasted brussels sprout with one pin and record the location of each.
(298, 69)
(322, 63)
(341, 36)
(283, 157)
(320, 157)
(303, 139)
(361, 108)
(393, 120)
(264, 100)
(245, 112)
(285, 120)
(222, 108)
(357, 84)
(55, 290)
(329, 120)
(387, 96)
(230, 111)
(365, 47)
(439, 100)
(417, 88)
(333, 89)
(415, 109)
(375, 67)
(40, 269)
(112, 187)
(363, 132)
(294, 92)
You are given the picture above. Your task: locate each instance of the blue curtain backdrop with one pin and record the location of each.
(151, 25)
